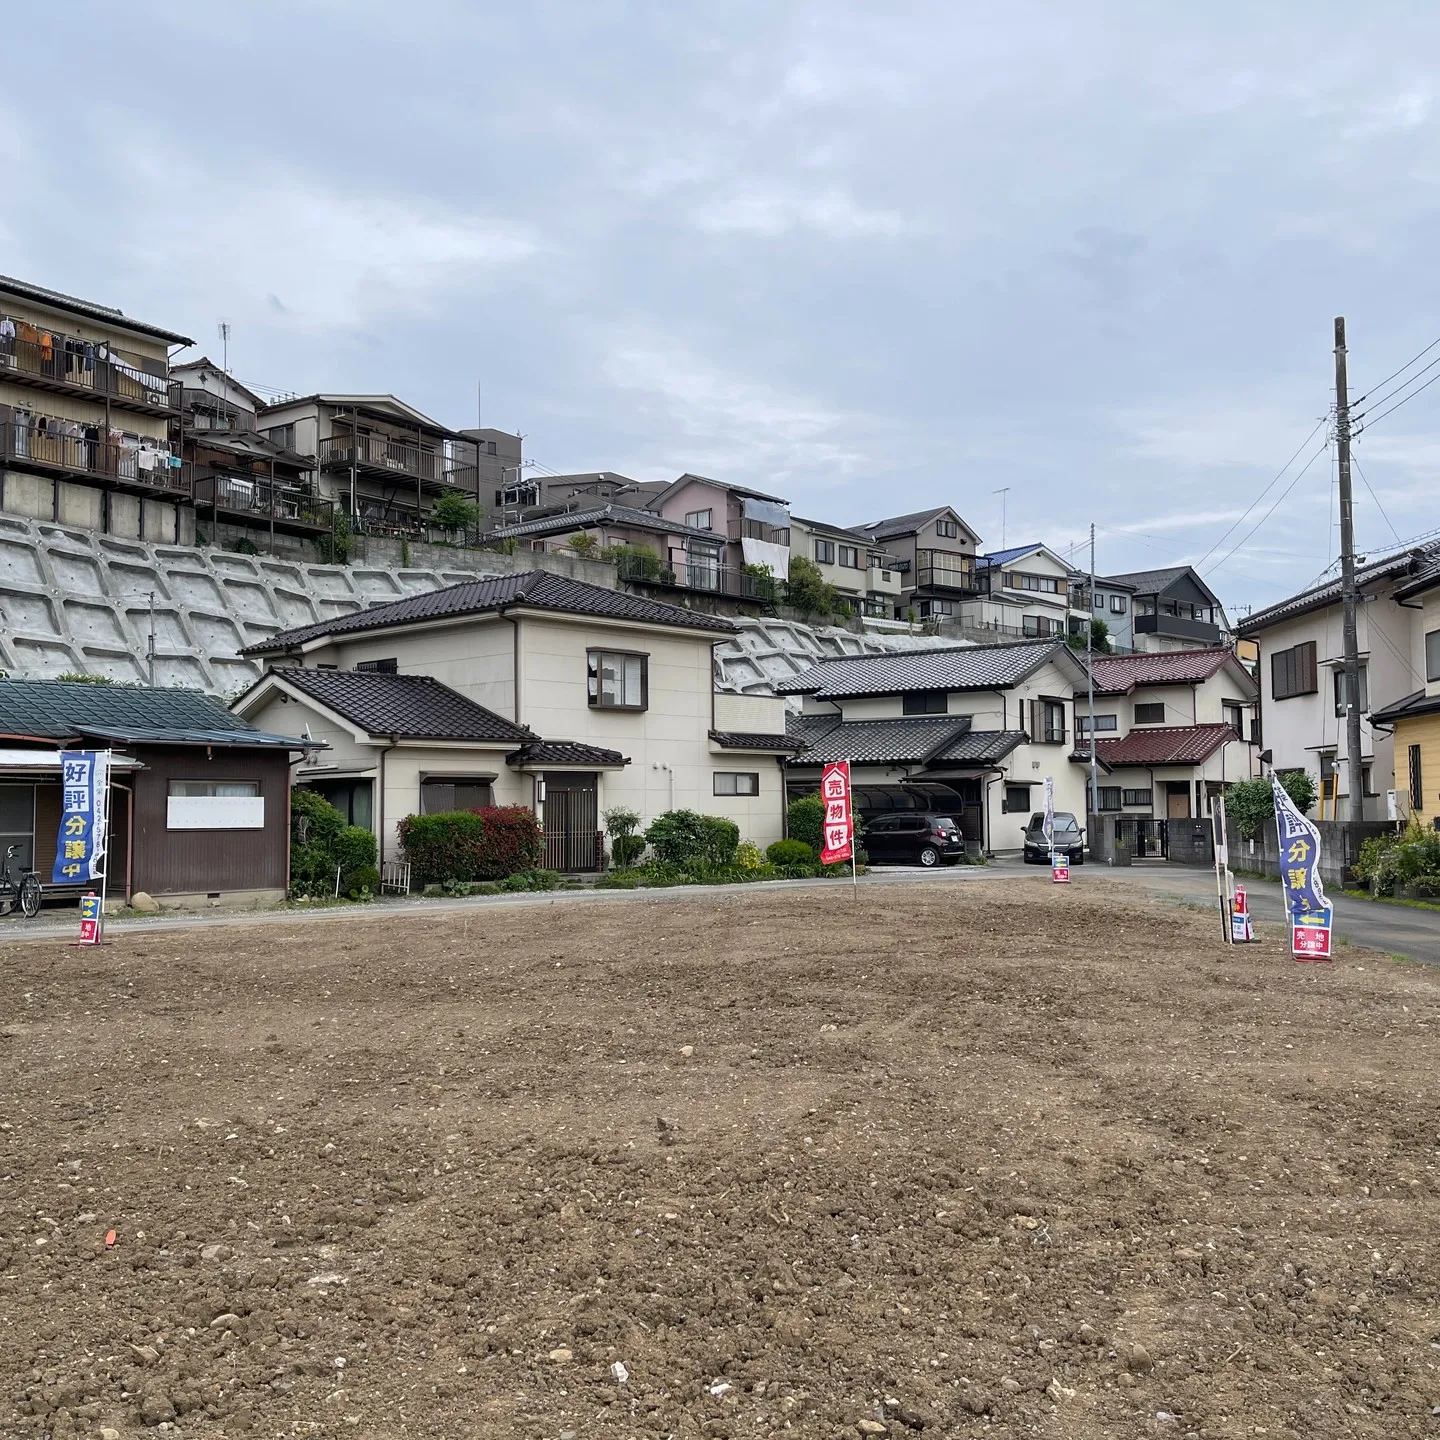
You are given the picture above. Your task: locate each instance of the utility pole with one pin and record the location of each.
(1351, 671)
(1090, 677)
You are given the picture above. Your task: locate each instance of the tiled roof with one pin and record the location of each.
(73, 710)
(824, 527)
(902, 524)
(1147, 582)
(753, 740)
(1004, 557)
(107, 314)
(565, 752)
(1415, 561)
(600, 515)
(1120, 674)
(869, 742)
(1418, 703)
(968, 667)
(532, 589)
(1165, 745)
(410, 707)
(979, 747)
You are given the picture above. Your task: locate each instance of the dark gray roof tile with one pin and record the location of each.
(565, 752)
(969, 667)
(753, 740)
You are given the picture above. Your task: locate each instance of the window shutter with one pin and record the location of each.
(1309, 677)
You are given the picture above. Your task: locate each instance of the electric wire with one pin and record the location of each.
(1393, 408)
(1300, 475)
(1400, 371)
(1376, 499)
(1390, 394)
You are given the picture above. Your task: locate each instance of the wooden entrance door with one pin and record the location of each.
(572, 822)
(1177, 800)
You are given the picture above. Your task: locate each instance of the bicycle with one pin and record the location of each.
(25, 891)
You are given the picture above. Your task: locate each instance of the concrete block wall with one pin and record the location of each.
(82, 507)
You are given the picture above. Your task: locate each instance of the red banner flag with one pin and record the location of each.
(838, 830)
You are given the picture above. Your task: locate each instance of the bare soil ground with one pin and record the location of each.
(960, 1160)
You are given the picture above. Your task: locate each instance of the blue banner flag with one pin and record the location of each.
(1300, 864)
(80, 845)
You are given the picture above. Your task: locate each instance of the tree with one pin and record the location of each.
(1250, 803)
(809, 590)
(1099, 638)
(455, 510)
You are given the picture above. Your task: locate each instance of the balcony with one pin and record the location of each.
(1178, 627)
(42, 446)
(697, 571)
(758, 530)
(398, 459)
(69, 366)
(945, 570)
(254, 498)
(208, 414)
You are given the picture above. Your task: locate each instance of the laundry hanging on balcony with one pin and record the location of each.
(764, 518)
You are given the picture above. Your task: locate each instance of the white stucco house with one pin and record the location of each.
(530, 689)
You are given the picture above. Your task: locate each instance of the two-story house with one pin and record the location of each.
(751, 528)
(864, 575)
(90, 417)
(1023, 592)
(1170, 609)
(990, 721)
(1413, 721)
(938, 548)
(575, 699)
(1302, 699)
(382, 462)
(1172, 730)
(248, 490)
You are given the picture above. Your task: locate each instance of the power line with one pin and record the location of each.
(1325, 445)
(1238, 523)
(1399, 403)
(1401, 370)
(1378, 505)
(1403, 385)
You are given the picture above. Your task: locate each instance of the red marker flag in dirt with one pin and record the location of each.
(837, 836)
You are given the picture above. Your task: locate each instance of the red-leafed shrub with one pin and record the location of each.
(511, 842)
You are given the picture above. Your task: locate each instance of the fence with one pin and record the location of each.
(1340, 842)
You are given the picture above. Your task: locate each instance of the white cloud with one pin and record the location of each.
(833, 213)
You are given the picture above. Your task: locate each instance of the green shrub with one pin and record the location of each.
(805, 820)
(808, 590)
(620, 880)
(314, 820)
(619, 820)
(361, 883)
(447, 846)
(484, 887)
(1376, 860)
(679, 837)
(455, 510)
(790, 852)
(749, 856)
(315, 830)
(625, 850)
(722, 839)
(353, 849)
(1299, 785)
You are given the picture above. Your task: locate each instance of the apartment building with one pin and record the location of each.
(90, 417)
(938, 551)
(1302, 690)
(1171, 731)
(1169, 609)
(381, 462)
(865, 575)
(250, 493)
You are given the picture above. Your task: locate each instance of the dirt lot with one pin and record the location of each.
(968, 1160)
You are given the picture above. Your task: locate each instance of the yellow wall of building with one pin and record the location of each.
(1423, 731)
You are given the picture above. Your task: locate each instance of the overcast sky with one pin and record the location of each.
(869, 257)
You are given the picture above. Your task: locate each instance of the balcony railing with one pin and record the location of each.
(259, 498)
(82, 367)
(758, 530)
(1180, 627)
(371, 453)
(689, 570)
(37, 444)
(205, 412)
(945, 570)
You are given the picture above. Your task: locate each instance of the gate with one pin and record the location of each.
(572, 836)
(1152, 840)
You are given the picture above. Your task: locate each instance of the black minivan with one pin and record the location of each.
(912, 837)
(1068, 834)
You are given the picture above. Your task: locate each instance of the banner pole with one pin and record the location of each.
(105, 872)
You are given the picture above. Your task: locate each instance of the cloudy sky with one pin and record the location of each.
(869, 257)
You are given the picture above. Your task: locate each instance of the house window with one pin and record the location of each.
(1234, 716)
(1041, 584)
(850, 557)
(924, 702)
(1136, 797)
(736, 782)
(1100, 602)
(1292, 672)
(1150, 714)
(700, 519)
(947, 529)
(1110, 797)
(214, 805)
(1039, 626)
(1047, 722)
(619, 680)
(388, 666)
(441, 794)
(1117, 604)
(1017, 799)
(1432, 655)
(1341, 690)
(825, 552)
(928, 608)
(1102, 722)
(282, 435)
(1417, 787)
